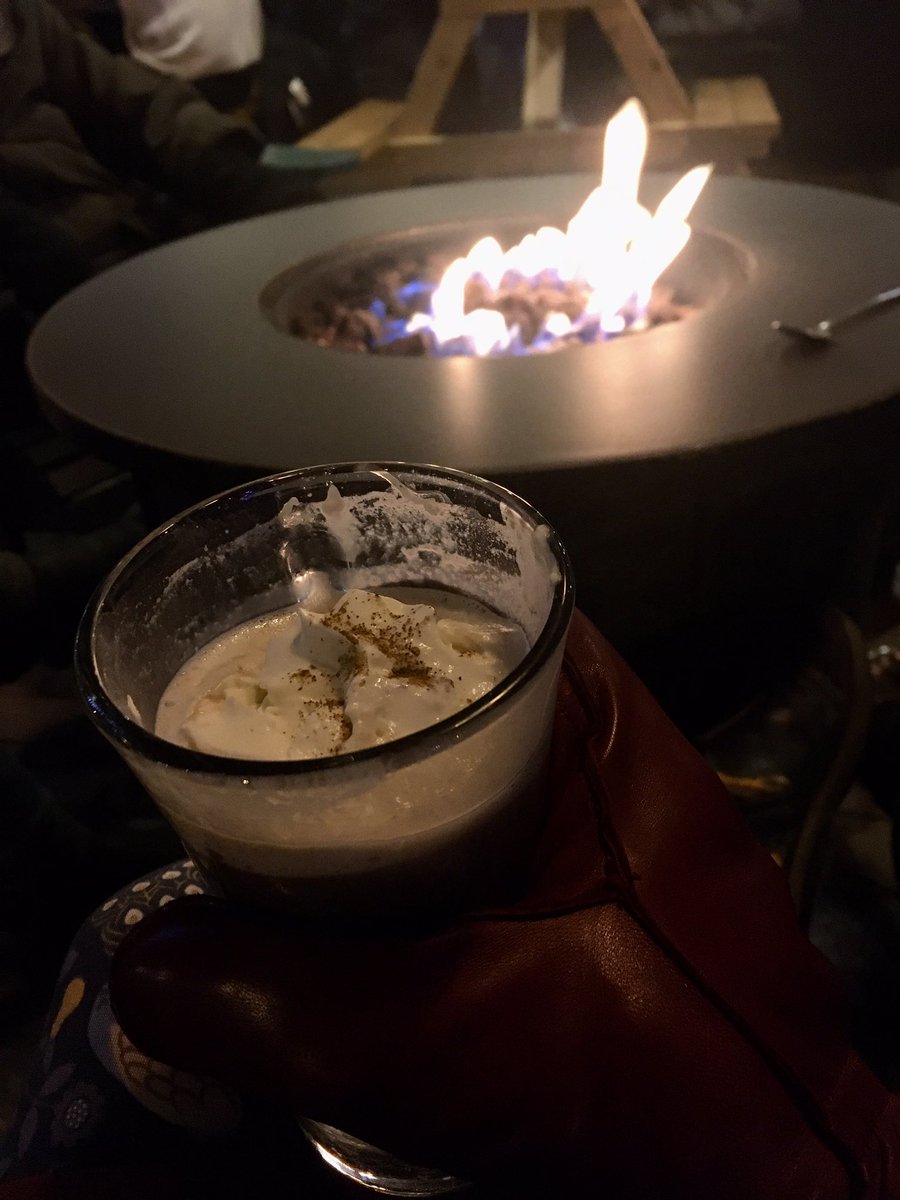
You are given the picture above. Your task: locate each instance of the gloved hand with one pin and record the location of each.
(234, 178)
(647, 1022)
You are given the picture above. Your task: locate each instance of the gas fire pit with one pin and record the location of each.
(427, 292)
(713, 483)
(363, 296)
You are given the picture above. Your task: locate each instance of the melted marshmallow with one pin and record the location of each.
(338, 673)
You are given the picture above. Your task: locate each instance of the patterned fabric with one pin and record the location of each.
(93, 1099)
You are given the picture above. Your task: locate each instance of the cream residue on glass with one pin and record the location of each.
(338, 672)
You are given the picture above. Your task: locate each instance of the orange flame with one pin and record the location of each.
(613, 245)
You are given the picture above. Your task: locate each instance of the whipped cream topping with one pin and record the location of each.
(337, 673)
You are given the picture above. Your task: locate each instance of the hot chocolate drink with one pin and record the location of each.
(340, 673)
(339, 686)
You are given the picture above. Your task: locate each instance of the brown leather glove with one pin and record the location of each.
(649, 1021)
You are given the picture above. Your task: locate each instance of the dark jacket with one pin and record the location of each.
(93, 140)
(718, 18)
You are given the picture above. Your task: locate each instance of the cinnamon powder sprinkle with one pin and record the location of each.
(394, 638)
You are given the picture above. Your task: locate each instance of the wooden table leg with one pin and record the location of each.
(545, 54)
(435, 73)
(643, 58)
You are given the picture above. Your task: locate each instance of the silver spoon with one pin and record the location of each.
(824, 330)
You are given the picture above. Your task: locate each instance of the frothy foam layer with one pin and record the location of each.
(342, 672)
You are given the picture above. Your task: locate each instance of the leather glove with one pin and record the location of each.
(649, 1021)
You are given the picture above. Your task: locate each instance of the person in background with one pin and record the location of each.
(214, 44)
(306, 75)
(279, 62)
(100, 158)
(718, 18)
(119, 156)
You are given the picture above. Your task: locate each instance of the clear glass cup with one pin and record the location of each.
(402, 834)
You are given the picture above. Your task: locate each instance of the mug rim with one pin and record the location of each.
(127, 734)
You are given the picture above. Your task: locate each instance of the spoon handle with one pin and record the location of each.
(861, 310)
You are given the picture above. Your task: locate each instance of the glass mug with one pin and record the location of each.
(406, 833)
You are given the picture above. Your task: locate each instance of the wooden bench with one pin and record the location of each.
(726, 120)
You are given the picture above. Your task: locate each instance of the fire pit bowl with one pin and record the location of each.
(713, 483)
(708, 268)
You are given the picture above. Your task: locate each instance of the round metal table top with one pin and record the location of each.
(171, 349)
